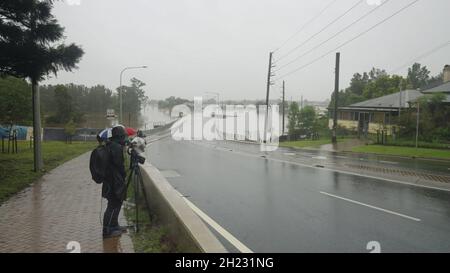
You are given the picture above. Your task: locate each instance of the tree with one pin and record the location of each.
(358, 83)
(15, 101)
(133, 99)
(63, 100)
(293, 117)
(382, 86)
(436, 80)
(29, 36)
(171, 102)
(70, 130)
(307, 120)
(434, 119)
(418, 76)
(376, 73)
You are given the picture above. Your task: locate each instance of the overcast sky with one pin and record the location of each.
(198, 46)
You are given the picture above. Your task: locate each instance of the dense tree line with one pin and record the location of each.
(434, 118)
(377, 83)
(15, 101)
(67, 104)
(171, 102)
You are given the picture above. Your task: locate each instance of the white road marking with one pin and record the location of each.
(341, 156)
(372, 207)
(388, 162)
(289, 154)
(230, 238)
(345, 172)
(320, 157)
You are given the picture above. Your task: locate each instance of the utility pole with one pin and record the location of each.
(417, 125)
(37, 144)
(336, 98)
(400, 100)
(269, 83)
(283, 107)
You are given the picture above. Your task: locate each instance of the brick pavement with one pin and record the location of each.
(63, 206)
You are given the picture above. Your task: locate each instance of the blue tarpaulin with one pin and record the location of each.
(21, 131)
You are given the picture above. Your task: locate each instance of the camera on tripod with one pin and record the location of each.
(135, 156)
(135, 179)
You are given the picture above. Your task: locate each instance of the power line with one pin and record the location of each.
(334, 36)
(428, 53)
(306, 24)
(322, 30)
(349, 41)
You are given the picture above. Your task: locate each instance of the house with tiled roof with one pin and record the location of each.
(372, 116)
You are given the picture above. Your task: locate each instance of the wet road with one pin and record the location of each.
(441, 167)
(276, 206)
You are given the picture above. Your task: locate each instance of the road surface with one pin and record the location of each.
(270, 204)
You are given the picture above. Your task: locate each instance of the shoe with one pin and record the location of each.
(112, 233)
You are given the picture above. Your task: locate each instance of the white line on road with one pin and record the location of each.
(343, 172)
(235, 242)
(372, 207)
(388, 162)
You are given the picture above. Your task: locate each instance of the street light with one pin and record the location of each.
(121, 89)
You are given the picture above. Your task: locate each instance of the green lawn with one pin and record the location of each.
(404, 151)
(16, 170)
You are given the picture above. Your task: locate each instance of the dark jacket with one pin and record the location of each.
(115, 185)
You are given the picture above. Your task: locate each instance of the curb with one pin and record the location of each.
(184, 226)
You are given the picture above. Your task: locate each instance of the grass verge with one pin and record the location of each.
(16, 170)
(152, 237)
(404, 151)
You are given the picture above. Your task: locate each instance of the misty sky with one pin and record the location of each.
(198, 46)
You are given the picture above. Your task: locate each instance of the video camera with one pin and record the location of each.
(135, 156)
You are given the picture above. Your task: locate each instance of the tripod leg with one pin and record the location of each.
(136, 198)
(141, 182)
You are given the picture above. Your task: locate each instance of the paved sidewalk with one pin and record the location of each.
(61, 207)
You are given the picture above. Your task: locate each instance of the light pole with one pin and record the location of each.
(121, 89)
(417, 124)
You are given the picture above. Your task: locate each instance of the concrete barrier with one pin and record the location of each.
(189, 232)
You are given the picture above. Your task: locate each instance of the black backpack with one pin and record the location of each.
(98, 163)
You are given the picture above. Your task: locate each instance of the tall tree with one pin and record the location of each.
(64, 104)
(358, 83)
(418, 76)
(376, 73)
(307, 120)
(30, 48)
(293, 117)
(15, 101)
(383, 85)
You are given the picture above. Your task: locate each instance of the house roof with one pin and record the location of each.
(443, 88)
(391, 101)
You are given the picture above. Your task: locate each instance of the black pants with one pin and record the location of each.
(111, 216)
